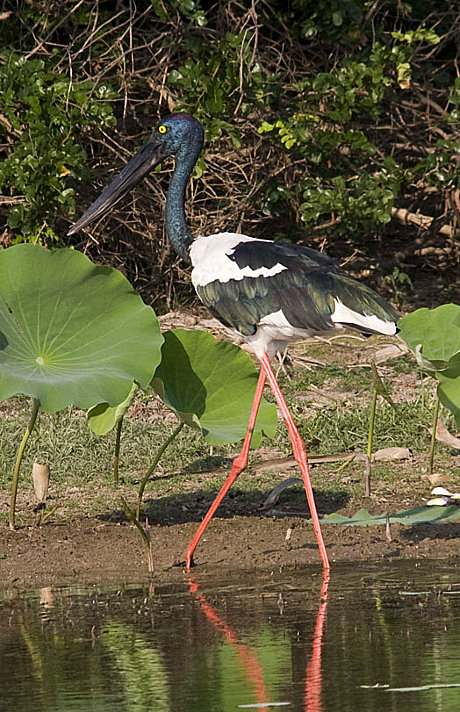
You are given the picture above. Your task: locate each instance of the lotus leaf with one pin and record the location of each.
(102, 418)
(409, 517)
(210, 385)
(71, 332)
(449, 388)
(433, 335)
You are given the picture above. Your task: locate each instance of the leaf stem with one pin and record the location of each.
(155, 462)
(145, 533)
(22, 446)
(370, 439)
(433, 436)
(116, 454)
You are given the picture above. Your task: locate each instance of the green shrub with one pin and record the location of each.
(44, 115)
(320, 119)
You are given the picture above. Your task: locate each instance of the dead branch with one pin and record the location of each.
(423, 221)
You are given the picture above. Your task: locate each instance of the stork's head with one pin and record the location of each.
(179, 135)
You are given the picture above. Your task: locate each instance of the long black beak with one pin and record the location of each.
(149, 156)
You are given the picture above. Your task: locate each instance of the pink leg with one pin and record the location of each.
(239, 464)
(300, 455)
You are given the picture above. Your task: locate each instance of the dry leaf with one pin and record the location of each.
(388, 454)
(443, 435)
(41, 478)
(437, 477)
(387, 353)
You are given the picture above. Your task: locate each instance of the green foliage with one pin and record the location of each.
(71, 332)
(207, 384)
(449, 388)
(187, 8)
(356, 203)
(210, 386)
(440, 167)
(339, 111)
(332, 192)
(400, 283)
(330, 19)
(44, 115)
(434, 336)
(325, 119)
(346, 184)
(454, 115)
(211, 85)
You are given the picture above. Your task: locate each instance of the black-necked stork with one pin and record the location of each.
(271, 293)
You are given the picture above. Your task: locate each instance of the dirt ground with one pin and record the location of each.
(106, 548)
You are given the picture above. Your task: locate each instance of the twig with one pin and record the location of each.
(43, 42)
(4, 121)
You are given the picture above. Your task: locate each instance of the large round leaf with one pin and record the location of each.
(408, 517)
(449, 387)
(71, 332)
(210, 385)
(433, 334)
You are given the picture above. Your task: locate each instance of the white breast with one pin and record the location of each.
(210, 257)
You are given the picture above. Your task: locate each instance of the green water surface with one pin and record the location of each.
(374, 638)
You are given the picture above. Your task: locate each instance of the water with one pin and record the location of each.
(227, 641)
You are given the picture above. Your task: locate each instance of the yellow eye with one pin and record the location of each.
(162, 129)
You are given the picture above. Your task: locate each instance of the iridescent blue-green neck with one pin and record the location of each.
(176, 225)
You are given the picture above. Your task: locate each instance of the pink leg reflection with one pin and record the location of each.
(313, 679)
(249, 660)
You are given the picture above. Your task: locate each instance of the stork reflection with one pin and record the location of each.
(313, 675)
(250, 659)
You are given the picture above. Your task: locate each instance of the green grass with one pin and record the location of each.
(77, 456)
(341, 425)
(359, 378)
(403, 364)
(344, 427)
(80, 459)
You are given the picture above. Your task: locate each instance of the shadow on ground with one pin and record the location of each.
(191, 507)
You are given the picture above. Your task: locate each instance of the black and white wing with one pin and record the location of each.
(246, 282)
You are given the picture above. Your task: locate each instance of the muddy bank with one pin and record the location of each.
(84, 550)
